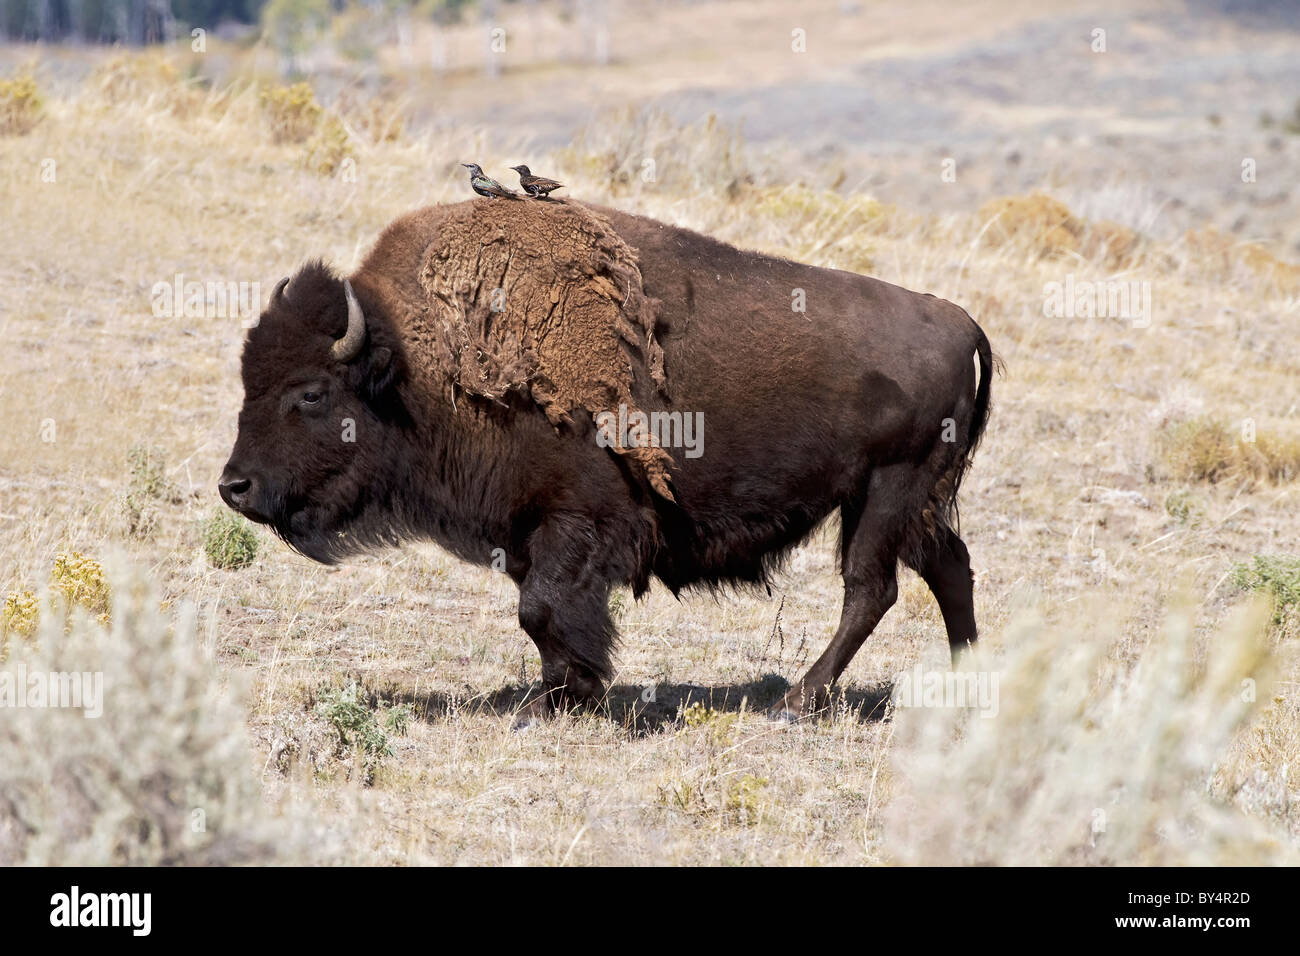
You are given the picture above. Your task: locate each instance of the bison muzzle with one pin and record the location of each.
(867, 402)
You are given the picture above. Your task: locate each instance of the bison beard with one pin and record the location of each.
(484, 338)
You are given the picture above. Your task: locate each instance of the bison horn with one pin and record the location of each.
(278, 292)
(348, 347)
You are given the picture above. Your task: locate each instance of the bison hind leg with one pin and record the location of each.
(942, 561)
(934, 549)
(874, 530)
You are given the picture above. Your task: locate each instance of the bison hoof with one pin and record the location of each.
(782, 715)
(532, 714)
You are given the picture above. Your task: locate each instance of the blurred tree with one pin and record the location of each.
(443, 13)
(135, 22)
(495, 36)
(210, 13)
(291, 25)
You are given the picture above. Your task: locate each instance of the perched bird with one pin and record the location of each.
(535, 186)
(485, 185)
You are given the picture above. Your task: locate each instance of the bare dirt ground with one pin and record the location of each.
(1087, 501)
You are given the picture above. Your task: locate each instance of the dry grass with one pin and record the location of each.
(630, 151)
(1072, 499)
(1045, 227)
(1207, 449)
(1221, 257)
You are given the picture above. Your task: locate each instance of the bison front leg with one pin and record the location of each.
(564, 607)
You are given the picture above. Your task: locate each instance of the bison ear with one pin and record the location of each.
(378, 373)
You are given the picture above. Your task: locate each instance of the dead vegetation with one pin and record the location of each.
(1044, 227)
(1208, 449)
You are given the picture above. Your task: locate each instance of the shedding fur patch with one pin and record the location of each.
(544, 299)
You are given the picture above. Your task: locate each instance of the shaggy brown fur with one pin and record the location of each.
(546, 301)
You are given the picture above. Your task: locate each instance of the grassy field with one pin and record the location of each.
(1134, 469)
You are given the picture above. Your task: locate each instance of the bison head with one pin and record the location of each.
(318, 421)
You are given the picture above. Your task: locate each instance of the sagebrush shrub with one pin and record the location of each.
(1082, 766)
(229, 541)
(161, 775)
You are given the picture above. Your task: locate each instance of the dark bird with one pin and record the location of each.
(485, 185)
(535, 186)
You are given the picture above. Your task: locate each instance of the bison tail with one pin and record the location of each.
(943, 508)
(983, 404)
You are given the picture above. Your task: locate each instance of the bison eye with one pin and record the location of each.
(311, 399)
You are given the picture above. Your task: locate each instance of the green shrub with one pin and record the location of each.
(617, 605)
(715, 786)
(1277, 576)
(398, 719)
(328, 148)
(76, 581)
(697, 714)
(147, 485)
(743, 799)
(1183, 506)
(229, 541)
(353, 719)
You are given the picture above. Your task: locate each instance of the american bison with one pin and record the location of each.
(821, 391)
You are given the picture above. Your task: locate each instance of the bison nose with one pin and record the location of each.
(234, 491)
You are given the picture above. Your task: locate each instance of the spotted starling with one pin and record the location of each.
(535, 186)
(485, 185)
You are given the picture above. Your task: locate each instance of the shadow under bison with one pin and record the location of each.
(643, 710)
